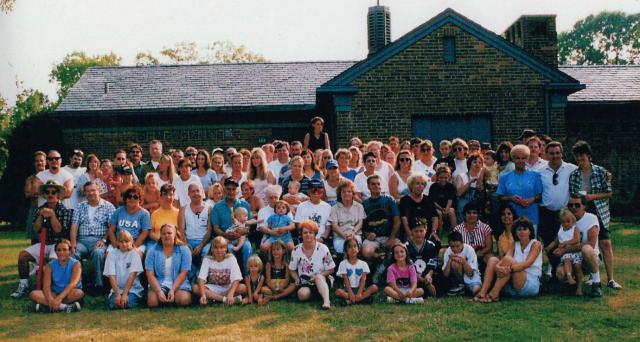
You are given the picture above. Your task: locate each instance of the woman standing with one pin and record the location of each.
(311, 264)
(259, 173)
(166, 170)
(310, 168)
(297, 174)
(167, 265)
(403, 169)
(316, 138)
(203, 170)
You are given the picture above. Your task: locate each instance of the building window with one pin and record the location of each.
(449, 48)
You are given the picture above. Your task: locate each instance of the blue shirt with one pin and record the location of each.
(209, 178)
(61, 275)
(526, 185)
(278, 221)
(154, 261)
(100, 223)
(133, 223)
(380, 213)
(350, 175)
(222, 215)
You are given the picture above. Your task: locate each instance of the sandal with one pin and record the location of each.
(490, 299)
(478, 298)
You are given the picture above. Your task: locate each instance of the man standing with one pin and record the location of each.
(56, 219)
(76, 170)
(89, 231)
(57, 174)
(588, 225)
(135, 156)
(155, 151)
(282, 159)
(555, 194)
(592, 183)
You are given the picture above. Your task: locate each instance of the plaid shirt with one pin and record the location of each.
(599, 184)
(64, 215)
(100, 223)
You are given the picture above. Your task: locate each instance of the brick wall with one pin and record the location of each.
(416, 83)
(612, 131)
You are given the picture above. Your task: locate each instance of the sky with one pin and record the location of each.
(37, 34)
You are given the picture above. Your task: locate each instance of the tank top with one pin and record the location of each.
(332, 195)
(316, 143)
(196, 224)
(520, 256)
(403, 189)
(565, 235)
(258, 188)
(61, 275)
(254, 284)
(278, 273)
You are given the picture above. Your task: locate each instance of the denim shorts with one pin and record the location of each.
(286, 238)
(133, 302)
(530, 289)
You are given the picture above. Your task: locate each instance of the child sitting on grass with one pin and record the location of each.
(354, 273)
(460, 266)
(219, 277)
(424, 254)
(278, 277)
(568, 235)
(402, 279)
(122, 267)
(254, 282)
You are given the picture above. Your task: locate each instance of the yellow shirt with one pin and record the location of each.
(161, 217)
(504, 242)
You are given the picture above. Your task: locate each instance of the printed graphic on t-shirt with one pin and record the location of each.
(403, 282)
(220, 277)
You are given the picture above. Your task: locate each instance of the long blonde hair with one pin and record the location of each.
(261, 170)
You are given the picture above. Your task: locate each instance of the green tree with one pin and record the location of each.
(69, 71)
(606, 38)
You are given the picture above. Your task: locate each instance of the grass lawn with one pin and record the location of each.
(616, 316)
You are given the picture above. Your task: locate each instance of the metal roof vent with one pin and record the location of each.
(378, 27)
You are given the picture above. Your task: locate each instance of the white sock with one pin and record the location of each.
(595, 277)
(63, 306)
(24, 282)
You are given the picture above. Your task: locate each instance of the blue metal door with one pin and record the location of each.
(440, 128)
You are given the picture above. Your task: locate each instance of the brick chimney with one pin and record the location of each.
(537, 35)
(378, 28)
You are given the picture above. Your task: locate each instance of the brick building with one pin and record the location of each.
(449, 77)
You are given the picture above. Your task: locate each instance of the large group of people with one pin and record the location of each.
(240, 226)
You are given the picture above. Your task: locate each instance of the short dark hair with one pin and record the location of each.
(523, 222)
(134, 146)
(470, 206)
(415, 141)
(454, 236)
(581, 147)
(367, 155)
(554, 144)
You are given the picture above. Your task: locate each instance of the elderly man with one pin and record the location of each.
(57, 174)
(89, 231)
(155, 151)
(55, 218)
(588, 225)
(594, 184)
(316, 210)
(194, 226)
(222, 218)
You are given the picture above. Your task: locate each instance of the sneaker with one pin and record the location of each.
(391, 300)
(23, 290)
(33, 269)
(614, 284)
(37, 308)
(596, 290)
(548, 272)
(414, 300)
(237, 299)
(73, 307)
(456, 290)
(590, 281)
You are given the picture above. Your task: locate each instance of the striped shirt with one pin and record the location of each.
(474, 238)
(598, 184)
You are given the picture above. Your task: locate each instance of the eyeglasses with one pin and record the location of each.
(574, 205)
(555, 178)
(404, 160)
(51, 192)
(370, 161)
(132, 196)
(53, 158)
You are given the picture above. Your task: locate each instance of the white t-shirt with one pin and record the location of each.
(76, 173)
(61, 177)
(319, 213)
(353, 272)
(91, 211)
(347, 218)
(219, 275)
(167, 281)
(422, 168)
(196, 225)
(584, 224)
(182, 188)
(361, 184)
(461, 167)
(537, 166)
(121, 265)
(555, 197)
(470, 255)
(275, 166)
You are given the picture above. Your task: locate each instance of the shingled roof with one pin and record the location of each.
(201, 87)
(605, 83)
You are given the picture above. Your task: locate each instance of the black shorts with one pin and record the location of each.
(604, 233)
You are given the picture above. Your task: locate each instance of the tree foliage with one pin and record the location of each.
(606, 38)
(6, 6)
(69, 71)
(191, 53)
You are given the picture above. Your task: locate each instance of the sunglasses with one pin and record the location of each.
(574, 205)
(53, 158)
(426, 149)
(133, 196)
(405, 160)
(554, 179)
(522, 228)
(191, 154)
(458, 149)
(326, 158)
(51, 192)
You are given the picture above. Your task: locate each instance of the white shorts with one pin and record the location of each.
(49, 250)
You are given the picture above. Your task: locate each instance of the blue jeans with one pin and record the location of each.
(246, 254)
(197, 260)
(87, 247)
(134, 301)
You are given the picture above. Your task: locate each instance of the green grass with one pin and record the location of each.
(549, 317)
